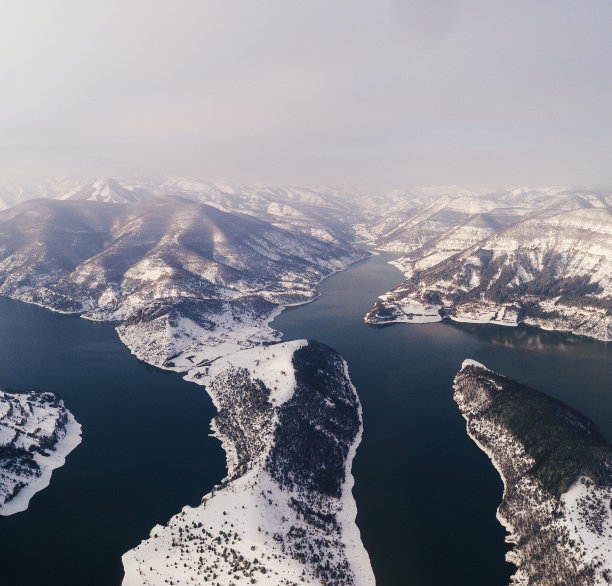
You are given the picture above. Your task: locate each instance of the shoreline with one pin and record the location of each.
(239, 498)
(56, 459)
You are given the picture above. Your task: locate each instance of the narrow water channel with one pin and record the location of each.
(426, 494)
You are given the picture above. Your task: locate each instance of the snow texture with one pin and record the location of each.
(266, 523)
(36, 434)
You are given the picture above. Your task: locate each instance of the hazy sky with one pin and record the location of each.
(381, 93)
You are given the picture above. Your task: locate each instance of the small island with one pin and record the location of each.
(37, 432)
(557, 475)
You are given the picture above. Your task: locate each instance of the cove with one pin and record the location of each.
(426, 495)
(145, 451)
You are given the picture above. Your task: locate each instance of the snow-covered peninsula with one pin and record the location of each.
(193, 289)
(289, 420)
(37, 432)
(186, 282)
(557, 475)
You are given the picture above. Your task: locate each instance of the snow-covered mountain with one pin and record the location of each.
(557, 474)
(157, 262)
(552, 268)
(325, 213)
(100, 189)
(437, 220)
(108, 190)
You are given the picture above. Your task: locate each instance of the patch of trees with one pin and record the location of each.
(317, 425)
(563, 443)
(245, 415)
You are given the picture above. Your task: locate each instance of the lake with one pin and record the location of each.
(426, 494)
(145, 451)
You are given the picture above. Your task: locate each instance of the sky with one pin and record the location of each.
(380, 93)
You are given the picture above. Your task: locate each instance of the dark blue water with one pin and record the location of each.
(426, 494)
(145, 451)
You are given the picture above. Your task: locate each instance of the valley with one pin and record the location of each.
(194, 277)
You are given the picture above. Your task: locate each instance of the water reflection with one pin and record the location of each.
(522, 336)
(424, 491)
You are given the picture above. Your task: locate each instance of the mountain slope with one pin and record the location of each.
(289, 420)
(422, 218)
(557, 474)
(326, 214)
(553, 271)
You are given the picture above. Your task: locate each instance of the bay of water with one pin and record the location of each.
(145, 451)
(426, 494)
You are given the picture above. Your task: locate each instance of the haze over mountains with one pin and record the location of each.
(324, 213)
(194, 272)
(538, 255)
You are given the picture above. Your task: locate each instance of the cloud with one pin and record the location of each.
(398, 91)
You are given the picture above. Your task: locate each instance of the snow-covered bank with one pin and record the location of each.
(194, 289)
(591, 322)
(37, 432)
(214, 330)
(550, 270)
(290, 421)
(557, 475)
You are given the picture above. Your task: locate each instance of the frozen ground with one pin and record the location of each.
(36, 434)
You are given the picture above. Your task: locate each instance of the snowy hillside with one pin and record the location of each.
(551, 269)
(557, 474)
(289, 420)
(182, 277)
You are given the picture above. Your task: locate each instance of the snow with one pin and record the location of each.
(588, 518)
(246, 528)
(33, 425)
(179, 347)
(241, 511)
(272, 365)
(469, 362)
